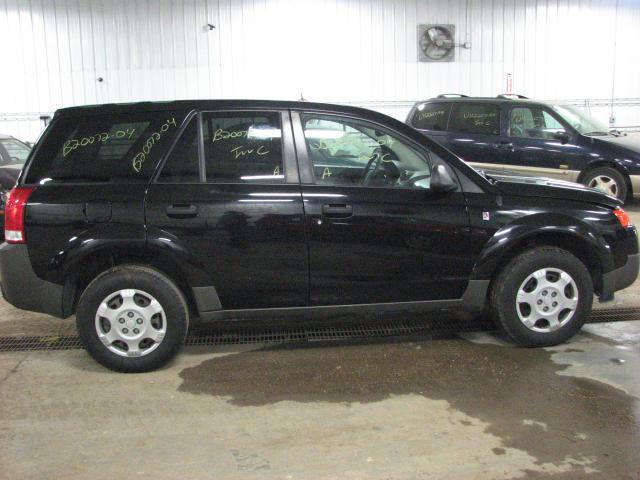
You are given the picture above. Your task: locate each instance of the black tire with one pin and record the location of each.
(621, 189)
(144, 279)
(503, 305)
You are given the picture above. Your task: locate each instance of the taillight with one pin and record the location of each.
(623, 217)
(14, 214)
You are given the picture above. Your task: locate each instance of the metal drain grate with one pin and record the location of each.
(207, 335)
(17, 344)
(620, 314)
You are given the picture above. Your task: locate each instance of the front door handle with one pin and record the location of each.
(337, 210)
(182, 211)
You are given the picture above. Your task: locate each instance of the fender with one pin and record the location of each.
(127, 241)
(512, 235)
(610, 154)
(615, 163)
(123, 239)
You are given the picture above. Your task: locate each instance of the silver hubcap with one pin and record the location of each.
(604, 184)
(131, 323)
(547, 300)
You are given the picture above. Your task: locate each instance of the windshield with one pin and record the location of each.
(582, 122)
(13, 152)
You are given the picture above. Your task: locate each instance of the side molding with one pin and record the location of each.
(473, 300)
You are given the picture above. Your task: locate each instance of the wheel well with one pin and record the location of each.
(101, 261)
(578, 247)
(615, 166)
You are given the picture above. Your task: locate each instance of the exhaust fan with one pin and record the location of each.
(436, 43)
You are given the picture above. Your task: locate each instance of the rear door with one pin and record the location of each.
(473, 133)
(227, 203)
(377, 234)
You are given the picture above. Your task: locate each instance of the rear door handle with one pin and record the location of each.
(337, 210)
(182, 211)
(504, 145)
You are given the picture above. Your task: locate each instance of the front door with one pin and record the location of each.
(540, 145)
(377, 234)
(227, 204)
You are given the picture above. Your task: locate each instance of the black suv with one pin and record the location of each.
(512, 134)
(136, 217)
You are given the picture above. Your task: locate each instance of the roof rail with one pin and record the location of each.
(511, 96)
(449, 95)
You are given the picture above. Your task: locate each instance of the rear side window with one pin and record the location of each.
(243, 147)
(431, 116)
(481, 118)
(104, 148)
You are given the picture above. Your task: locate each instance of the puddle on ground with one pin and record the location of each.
(518, 392)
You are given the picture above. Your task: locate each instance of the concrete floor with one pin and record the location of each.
(468, 407)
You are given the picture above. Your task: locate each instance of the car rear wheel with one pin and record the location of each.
(542, 297)
(132, 319)
(607, 180)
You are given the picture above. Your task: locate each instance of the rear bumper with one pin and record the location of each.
(22, 288)
(620, 277)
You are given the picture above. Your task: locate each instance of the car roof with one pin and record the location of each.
(4, 137)
(210, 105)
(479, 100)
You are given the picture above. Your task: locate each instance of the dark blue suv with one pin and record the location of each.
(511, 134)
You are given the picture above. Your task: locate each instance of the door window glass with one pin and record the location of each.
(182, 165)
(431, 116)
(351, 152)
(479, 118)
(533, 122)
(243, 147)
(13, 152)
(551, 124)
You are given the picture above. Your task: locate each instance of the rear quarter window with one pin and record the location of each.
(104, 148)
(479, 118)
(431, 116)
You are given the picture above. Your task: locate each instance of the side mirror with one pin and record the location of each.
(442, 180)
(562, 136)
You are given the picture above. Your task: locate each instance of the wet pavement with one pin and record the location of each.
(523, 396)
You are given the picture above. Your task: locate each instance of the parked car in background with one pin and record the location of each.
(136, 216)
(13, 155)
(512, 134)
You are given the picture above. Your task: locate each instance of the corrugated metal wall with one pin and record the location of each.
(358, 51)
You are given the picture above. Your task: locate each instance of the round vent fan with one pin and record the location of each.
(436, 43)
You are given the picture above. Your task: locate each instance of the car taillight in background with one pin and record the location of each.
(14, 214)
(623, 217)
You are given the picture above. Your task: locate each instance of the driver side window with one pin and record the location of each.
(354, 153)
(533, 122)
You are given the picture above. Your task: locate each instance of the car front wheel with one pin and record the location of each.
(542, 297)
(132, 319)
(607, 180)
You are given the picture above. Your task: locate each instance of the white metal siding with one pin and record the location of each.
(357, 51)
